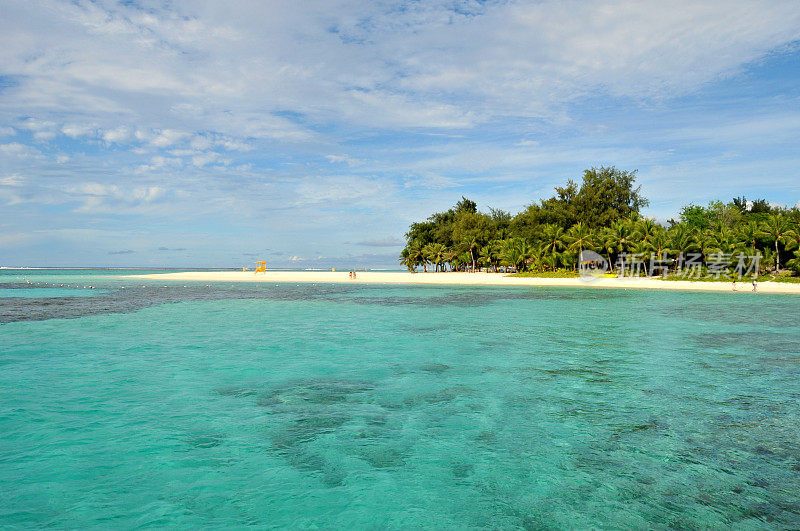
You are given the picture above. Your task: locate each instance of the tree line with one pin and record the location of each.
(601, 214)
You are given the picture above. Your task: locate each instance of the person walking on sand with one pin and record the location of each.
(755, 285)
(734, 284)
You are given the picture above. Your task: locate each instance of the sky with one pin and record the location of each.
(312, 133)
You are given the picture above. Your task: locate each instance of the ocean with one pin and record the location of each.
(152, 404)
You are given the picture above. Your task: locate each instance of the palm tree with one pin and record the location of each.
(413, 256)
(640, 249)
(439, 252)
(513, 253)
(659, 244)
(619, 238)
(488, 254)
(605, 242)
(529, 253)
(794, 263)
(776, 227)
(645, 228)
(794, 241)
(462, 260)
(420, 254)
(722, 240)
(580, 236)
(682, 239)
(569, 258)
(472, 246)
(553, 239)
(749, 234)
(435, 254)
(546, 257)
(705, 242)
(769, 254)
(407, 260)
(534, 256)
(427, 253)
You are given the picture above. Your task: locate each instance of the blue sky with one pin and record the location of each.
(311, 134)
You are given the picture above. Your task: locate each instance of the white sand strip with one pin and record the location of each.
(466, 279)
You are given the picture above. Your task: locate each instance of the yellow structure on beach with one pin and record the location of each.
(261, 267)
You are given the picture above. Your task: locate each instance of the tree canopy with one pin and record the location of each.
(603, 214)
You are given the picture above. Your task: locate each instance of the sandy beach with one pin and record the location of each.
(465, 279)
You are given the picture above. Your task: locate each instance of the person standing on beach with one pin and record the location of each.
(755, 285)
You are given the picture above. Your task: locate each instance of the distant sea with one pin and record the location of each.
(144, 403)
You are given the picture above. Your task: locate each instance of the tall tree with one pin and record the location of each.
(553, 238)
(682, 239)
(750, 235)
(645, 228)
(608, 194)
(580, 237)
(620, 237)
(514, 253)
(777, 228)
(435, 253)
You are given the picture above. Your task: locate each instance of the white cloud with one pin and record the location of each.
(7, 131)
(116, 135)
(42, 130)
(388, 241)
(526, 143)
(235, 69)
(233, 145)
(202, 159)
(344, 191)
(350, 161)
(33, 124)
(17, 150)
(158, 162)
(430, 180)
(11, 180)
(44, 135)
(201, 142)
(109, 198)
(143, 136)
(77, 130)
(168, 137)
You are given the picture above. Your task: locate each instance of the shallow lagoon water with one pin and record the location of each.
(155, 404)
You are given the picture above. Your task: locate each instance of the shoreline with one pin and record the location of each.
(464, 279)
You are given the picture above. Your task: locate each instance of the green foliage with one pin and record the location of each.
(601, 214)
(778, 229)
(514, 252)
(558, 273)
(794, 263)
(695, 217)
(605, 195)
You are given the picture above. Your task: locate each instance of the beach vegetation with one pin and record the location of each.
(603, 214)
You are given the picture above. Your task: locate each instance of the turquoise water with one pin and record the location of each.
(43, 293)
(164, 404)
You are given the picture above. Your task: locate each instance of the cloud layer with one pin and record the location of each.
(325, 122)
